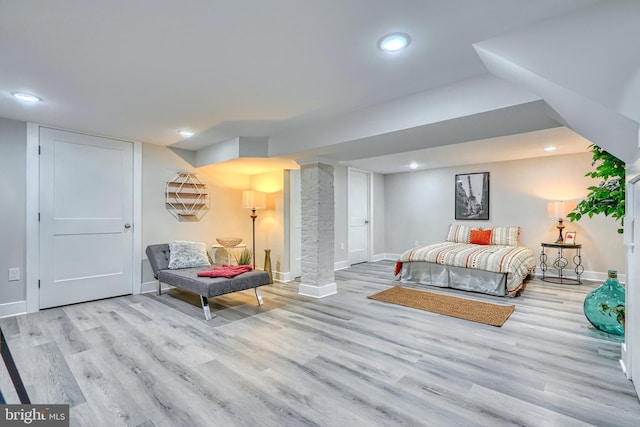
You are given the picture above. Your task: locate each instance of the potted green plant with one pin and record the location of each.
(607, 197)
(244, 258)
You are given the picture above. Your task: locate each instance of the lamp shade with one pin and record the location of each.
(254, 199)
(559, 209)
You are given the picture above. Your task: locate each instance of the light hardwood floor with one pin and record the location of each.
(344, 360)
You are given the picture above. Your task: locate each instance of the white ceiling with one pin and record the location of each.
(142, 70)
(251, 166)
(512, 147)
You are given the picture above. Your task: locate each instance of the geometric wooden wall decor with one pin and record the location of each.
(186, 197)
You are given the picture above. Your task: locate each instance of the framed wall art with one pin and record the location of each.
(472, 196)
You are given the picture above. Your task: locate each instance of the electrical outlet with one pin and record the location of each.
(415, 243)
(14, 274)
(342, 246)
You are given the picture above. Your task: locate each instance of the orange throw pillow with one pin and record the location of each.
(480, 237)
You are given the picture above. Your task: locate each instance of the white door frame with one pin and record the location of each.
(630, 358)
(293, 233)
(32, 273)
(369, 209)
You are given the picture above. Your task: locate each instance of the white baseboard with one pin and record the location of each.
(595, 276)
(148, 287)
(341, 265)
(318, 291)
(624, 356)
(598, 276)
(13, 308)
(281, 276)
(624, 369)
(378, 257)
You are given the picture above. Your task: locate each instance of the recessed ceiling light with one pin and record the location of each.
(394, 42)
(550, 148)
(26, 97)
(413, 165)
(186, 133)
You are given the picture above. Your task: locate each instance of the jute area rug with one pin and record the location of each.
(477, 311)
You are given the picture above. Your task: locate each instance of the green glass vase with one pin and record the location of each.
(604, 306)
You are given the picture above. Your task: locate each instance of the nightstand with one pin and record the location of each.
(560, 263)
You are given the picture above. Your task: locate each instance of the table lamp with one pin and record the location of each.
(558, 210)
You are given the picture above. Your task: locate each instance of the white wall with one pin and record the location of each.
(341, 255)
(408, 207)
(341, 225)
(420, 206)
(13, 137)
(226, 216)
(379, 248)
(271, 223)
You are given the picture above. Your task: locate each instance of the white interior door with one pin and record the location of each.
(86, 212)
(358, 207)
(633, 289)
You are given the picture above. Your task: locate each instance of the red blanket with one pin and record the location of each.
(227, 271)
(398, 268)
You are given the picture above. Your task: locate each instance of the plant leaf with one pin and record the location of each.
(608, 196)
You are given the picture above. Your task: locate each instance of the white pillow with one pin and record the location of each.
(509, 236)
(183, 254)
(459, 233)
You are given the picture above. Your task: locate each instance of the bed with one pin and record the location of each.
(489, 261)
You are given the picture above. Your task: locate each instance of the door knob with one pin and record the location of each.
(127, 226)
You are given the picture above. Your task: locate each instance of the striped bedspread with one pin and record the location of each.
(517, 261)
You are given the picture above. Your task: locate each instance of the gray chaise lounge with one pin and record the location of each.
(187, 278)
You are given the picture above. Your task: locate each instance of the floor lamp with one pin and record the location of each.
(254, 200)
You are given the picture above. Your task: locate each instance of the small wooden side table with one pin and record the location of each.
(560, 263)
